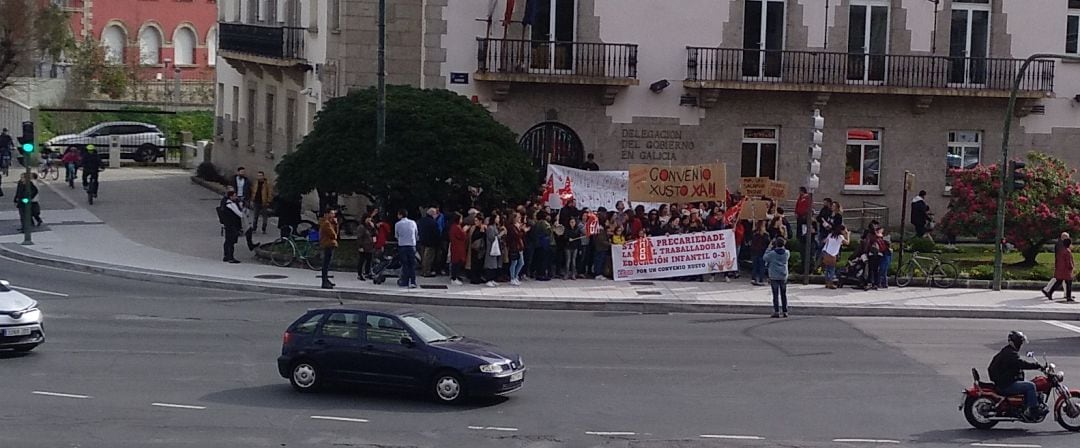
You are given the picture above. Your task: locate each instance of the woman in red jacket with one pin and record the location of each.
(459, 244)
(1063, 268)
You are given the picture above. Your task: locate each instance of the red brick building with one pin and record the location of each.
(155, 34)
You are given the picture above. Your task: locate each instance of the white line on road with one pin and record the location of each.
(493, 428)
(1006, 445)
(40, 291)
(339, 419)
(58, 394)
(730, 437)
(177, 406)
(610, 433)
(867, 441)
(1063, 325)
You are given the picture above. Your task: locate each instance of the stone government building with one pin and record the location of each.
(910, 85)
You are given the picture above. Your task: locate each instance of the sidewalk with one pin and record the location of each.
(129, 238)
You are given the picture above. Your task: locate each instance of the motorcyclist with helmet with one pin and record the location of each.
(1007, 372)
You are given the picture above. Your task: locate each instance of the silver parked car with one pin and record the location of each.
(21, 323)
(140, 141)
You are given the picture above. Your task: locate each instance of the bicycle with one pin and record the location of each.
(91, 187)
(297, 246)
(48, 169)
(348, 222)
(938, 273)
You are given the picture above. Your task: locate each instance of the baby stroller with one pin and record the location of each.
(854, 273)
(386, 264)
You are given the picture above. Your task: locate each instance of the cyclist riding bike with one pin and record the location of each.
(71, 163)
(91, 164)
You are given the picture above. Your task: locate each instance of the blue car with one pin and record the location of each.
(396, 347)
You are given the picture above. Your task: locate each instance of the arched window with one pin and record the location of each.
(211, 47)
(114, 39)
(150, 46)
(184, 46)
(552, 142)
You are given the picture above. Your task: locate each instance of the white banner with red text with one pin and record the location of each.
(675, 256)
(588, 189)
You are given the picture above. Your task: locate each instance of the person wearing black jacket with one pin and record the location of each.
(430, 240)
(1007, 372)
(232, 217)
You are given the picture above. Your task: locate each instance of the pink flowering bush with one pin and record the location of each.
(1048, 205)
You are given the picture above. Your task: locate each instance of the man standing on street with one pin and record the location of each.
(429, 241)
(260, 201)
(407, 235)
(242, 185)
(328, 241)
(920, 213)
(231, 216)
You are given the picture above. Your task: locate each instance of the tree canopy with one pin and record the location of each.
(1035, 215)
(438, 145)
(30, 30)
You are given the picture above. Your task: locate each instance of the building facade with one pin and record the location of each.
(160, 36)
(904, 85)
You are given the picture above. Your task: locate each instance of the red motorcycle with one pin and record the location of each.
(984, 408)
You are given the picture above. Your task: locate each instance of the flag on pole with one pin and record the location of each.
(508, 16)
(532, 12)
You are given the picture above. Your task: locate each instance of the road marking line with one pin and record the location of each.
(493, 428)
(1063, 325)
(610, 433)
(58, 394)
(730, 437)
(866, 441)
(40, 291)
(1006, 445)
(339, 419)
(177, 406)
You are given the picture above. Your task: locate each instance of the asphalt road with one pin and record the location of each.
(144, 365)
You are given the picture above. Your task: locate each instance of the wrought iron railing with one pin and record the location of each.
(271, 41)
(887, 70)
(597, 60)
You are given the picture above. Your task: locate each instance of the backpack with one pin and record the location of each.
(222, 216)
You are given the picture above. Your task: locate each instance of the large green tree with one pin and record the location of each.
(1034, 216)
(30, 30)
(438, 145)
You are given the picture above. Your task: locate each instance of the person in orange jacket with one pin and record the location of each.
(328, 241)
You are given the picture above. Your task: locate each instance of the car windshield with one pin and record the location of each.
(429, 328)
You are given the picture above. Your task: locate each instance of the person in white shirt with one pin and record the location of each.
(406, 233)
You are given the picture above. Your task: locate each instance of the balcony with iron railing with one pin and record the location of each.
(508, 61)
(835, 72)
(267, 44)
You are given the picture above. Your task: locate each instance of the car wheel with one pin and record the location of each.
(146, 153)
(305, 377)
(448, 387)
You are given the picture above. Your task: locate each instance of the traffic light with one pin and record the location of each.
(1019, 177)
(817, 137)
(27, 138)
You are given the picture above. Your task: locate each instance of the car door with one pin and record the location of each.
(337, 347)
(100, 137)
(387, 359)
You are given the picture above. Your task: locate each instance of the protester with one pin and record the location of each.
(328, 241)
(886, 258)
(601, 242)
(515, 244)
(575, 232)
(590, 164)
(493, 258)
(776, 261)
(831, 254)
(477, 249)
(459, 249)
(1063, 268)
(803, 207)
(429, 241)
(545, 249)
(872, 246)
(759, 244)
(407, 235)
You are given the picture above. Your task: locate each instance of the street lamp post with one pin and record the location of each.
(999, 240)
(380, 102)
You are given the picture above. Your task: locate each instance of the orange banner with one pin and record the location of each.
(686, 183)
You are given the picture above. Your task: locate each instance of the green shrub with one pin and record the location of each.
(1041, 272)
(983, 272)
(795, 262)
(924, 245)
(208, 172)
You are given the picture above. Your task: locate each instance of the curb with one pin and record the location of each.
(212, 186)
(650, 307)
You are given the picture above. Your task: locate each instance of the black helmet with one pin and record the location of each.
(1017, 338)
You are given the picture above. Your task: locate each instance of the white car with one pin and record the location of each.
(140, 141)
(21, 323)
